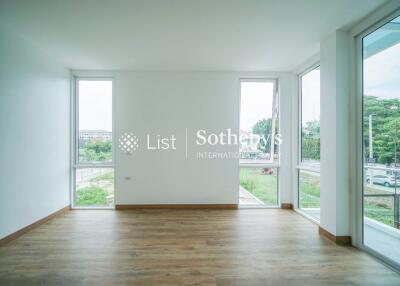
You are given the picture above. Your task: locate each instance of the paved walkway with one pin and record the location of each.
(246, 198)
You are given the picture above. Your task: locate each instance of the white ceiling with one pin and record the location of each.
(247, 35)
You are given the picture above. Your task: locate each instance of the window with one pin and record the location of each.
(309, 142)
(94, 121)
(93, 170)
(258, 186)
(259, 148)
(381, 134)
(94, 187)
(310, 119)
(258, 122)
(309, 190)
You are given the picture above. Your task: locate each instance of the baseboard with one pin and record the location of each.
(28, 228)
(177, 206)
(340, 240)
(287, 206)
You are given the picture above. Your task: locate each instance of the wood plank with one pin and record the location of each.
(243, 247)
(24, 230)
(286, 206)
(340, 240)
(177, 206)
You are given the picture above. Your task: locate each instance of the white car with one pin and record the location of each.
(386, 180)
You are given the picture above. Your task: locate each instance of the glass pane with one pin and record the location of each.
(309, 193)
(257, 120)
(259, 186)
(310, 118)
(94, 187)
(381, 127)
(379, 209)
(95, 121)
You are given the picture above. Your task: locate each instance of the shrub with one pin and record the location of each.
(91, 196)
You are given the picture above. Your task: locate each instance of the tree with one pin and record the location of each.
(98, 151)
(310, 137)
(263, 128)
(385, 128)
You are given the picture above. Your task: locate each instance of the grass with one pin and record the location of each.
(379, 208)
(109, 176)
(91, 196)
(309, 185)
(262, 186)
(94, 191)
(376, 208)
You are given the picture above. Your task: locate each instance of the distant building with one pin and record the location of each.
(95, 135)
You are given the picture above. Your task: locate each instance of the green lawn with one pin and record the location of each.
(380, 209)
(377, 208)
(95, 191)
(309, 186)
(91, 196)
(263, 186)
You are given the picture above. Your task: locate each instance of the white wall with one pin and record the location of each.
(287, 165)
(34, 128)
(165, 103)
(168, 103)
(335, 94)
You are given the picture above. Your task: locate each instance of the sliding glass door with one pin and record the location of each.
(381, 135)
(93, 171)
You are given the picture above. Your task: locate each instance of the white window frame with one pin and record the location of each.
(75, 164)
(358, 33)
(276, 115)
(300, 166)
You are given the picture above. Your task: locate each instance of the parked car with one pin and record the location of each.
(385, 180)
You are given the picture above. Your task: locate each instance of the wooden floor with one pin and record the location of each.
(185, 247)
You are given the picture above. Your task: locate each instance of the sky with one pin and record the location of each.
(255, 103)
(95, 105)
(310, 96)
(382, 70)
(256, 100)
(382, 73)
